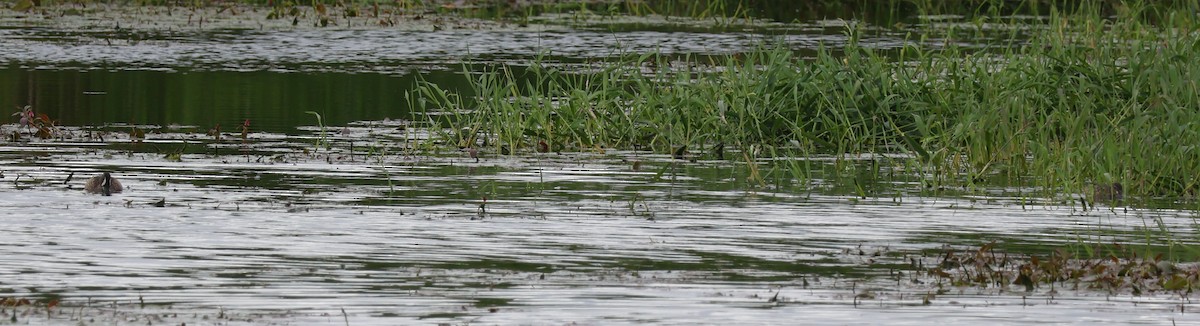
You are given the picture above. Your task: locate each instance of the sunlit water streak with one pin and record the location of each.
(379, 51)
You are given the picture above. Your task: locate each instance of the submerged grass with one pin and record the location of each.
(1085, 100)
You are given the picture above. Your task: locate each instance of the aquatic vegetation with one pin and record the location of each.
(52, 308)
(26, 115)
(246, 129)
(215, 132)
(1120, 272)
(41, 124)
(1082, 99)
(323, 139)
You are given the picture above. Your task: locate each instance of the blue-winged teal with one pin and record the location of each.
(103, 184)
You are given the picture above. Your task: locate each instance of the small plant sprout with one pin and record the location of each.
(245, 130)
(323, 139)
(215, 132)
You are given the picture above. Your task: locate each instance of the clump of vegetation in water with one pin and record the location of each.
(1083, 100)
(1119, 271)
(54, 308)
(40, 124)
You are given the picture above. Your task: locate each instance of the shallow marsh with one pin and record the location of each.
(275, 235)
(374, 218)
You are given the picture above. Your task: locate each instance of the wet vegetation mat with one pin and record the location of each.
(620, 162)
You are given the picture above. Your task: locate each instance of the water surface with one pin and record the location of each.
(274, 229)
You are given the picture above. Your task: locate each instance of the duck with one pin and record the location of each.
(103, 184)
(1108, 193)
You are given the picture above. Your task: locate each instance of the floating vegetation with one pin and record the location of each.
(52, 309)
(1120, 271)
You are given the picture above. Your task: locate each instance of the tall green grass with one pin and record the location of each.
(1084, 99)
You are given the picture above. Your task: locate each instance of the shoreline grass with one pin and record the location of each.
(1086, 99)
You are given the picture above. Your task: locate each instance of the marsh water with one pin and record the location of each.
(274, 228)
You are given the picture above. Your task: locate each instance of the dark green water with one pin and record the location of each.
(273, 102)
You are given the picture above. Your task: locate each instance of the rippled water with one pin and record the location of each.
(280, 236)
(237, 46)
(274, 230)
(363, 50)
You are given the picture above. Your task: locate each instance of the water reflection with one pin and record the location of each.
(273, 102)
